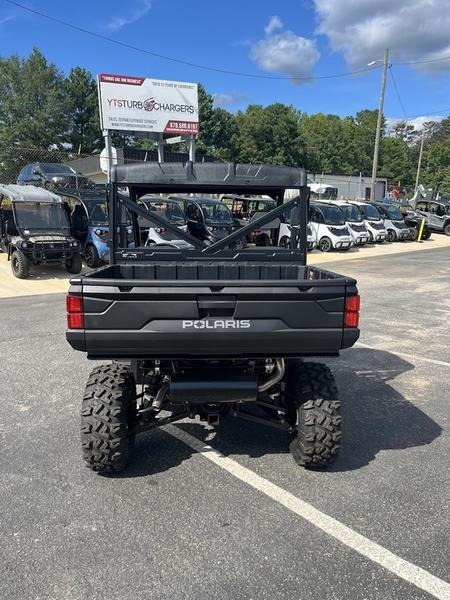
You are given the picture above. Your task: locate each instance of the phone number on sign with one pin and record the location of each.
(182, 126)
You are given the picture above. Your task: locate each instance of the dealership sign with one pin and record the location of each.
(146, 105)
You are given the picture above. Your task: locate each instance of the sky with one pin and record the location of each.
(277, 44)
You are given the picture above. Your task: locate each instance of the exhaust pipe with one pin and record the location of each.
(280, 370)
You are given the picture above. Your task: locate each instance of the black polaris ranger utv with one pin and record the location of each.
(35, 229)
(210, 331)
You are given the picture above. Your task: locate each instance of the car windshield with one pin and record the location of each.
(394, 213)
(216, 212)
(57, 168)
(352, 213)
(169, 210)
(97, 209)
(40, 215)
(333, 215)
(371, 212)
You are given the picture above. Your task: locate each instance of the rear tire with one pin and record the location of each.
(313, 407)
(108, 414)
(20, 265)
(447, 229)
(74, 264)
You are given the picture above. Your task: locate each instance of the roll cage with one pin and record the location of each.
(205, 178)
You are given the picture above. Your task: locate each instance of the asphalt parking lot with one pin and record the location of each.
(181, 524)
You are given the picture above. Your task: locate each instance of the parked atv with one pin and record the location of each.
(34, 230)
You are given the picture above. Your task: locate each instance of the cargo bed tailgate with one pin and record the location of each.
(140, 317)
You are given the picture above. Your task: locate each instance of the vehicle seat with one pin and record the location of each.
(80, 223)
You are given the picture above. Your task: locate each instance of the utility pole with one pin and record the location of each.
(379, 122)
(420, 159)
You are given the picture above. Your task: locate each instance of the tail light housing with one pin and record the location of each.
(351, 311)
(75, 312)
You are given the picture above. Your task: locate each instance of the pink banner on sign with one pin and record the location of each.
(181, 127)
(123, 79)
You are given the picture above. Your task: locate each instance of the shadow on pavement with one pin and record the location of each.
(375, 417)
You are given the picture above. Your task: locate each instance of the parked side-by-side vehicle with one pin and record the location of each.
(35, 230)
(437, 213)
(414, 220)
(214, 331)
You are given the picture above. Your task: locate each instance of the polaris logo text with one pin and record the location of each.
(217, 324)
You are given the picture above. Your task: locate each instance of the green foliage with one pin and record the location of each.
(32, 102)
(83, 131)
(436, 166)
(268, 134)
(396, 163)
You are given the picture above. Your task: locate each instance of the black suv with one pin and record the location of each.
(35, 229)
(50, 175)
(437, 213)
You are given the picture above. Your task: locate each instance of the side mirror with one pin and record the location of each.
(36, 171)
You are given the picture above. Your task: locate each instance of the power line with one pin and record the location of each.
(397, 92)
(178, 60)
(420, 62)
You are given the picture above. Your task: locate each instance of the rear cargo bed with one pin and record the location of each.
(209, 270)
(198, 309)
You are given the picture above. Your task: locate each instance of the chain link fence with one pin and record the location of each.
(14, 158)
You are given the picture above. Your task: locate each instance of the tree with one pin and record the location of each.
(268, 134)
(396, 163)
(32, 108)
(405, 132)
(436, 166)
(33, 118)
(324, 140)
(84, 133)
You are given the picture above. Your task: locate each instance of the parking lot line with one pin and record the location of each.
(433, 361)
(400, 567)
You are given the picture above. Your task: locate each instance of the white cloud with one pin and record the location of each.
(412, 30)
(140, 11)
(273, 24)
(417, 122)
(226, 100)
(285, 52)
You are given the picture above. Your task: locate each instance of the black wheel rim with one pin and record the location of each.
(15, 264)
(89, 257)
(325, 245)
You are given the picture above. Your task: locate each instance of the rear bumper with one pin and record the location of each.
(204, 344)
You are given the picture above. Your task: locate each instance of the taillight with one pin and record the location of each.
(351, 313)
(75, 312)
